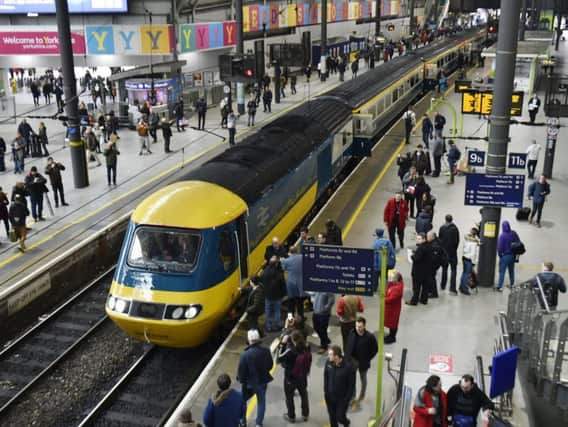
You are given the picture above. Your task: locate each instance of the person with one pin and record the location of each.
(53, 170)
(293, 82)
(338, 386)
(42, 135)
(18, 153)
(470, 257)
(378, 244)
(267, 100)
(254, 368)
(538, 191)
(403, 162)
(186, 419)
(427, 130)
(17, 214)
(111, 154)
(420, 160)
(333, 233)
(179, 113)
(232, 127)
(421, 188)
(265, 82)
(201, 108)
(295, 357)
(347, 308)
(422, 259)
(532, 157)
(506, 255)
(113, 124)
(294, 283)
(453, 157)
(305, 236)
(153, 123)
(534, 105)
(361, 349)
(409, 118)
(465, 400)
(167, 134)
(272, 278)
(2, 154)
(431, 404)
(439, 123)
(409, 187)
(439, 259)
(323, 303)
(551, 283)
(226, 407)
(59, 98)
(26, 131)
(35, 186)
(255, 303)
(450, 238)
(424, 221)
(251, 108)
(142, 128)
(355, 67)
(437, 152)
(393, 305)
(275, 249)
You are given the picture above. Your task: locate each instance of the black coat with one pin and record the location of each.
(422, 261)
(18, 213)
(423, 222)
(467, 404)
(254, 366)
(333, 236)
(255, 301)
(272, 279)
(450, 238)
(362, 348)
(338, 381)
(35, 185)
(270, 252)
(54, 172)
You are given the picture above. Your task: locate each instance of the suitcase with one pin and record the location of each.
(523, 214)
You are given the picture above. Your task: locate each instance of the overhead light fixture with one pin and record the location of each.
(33, 14)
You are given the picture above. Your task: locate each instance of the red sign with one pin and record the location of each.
(441, 364)
(37, 43)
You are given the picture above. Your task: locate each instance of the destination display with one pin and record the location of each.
(505, 191)
(337, 269)
(476, 102)
(75, 6)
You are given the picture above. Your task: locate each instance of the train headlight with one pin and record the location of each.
(177, 313)
(120, 305)
(111, 303)
(191, 312)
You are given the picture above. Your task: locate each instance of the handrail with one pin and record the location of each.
(478, 372)
(401, 374)
(543, 300)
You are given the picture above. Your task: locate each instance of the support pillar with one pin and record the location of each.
(240, 52)
(499, 133)
(377, 30)
(523, 23)
(76, 145)
(411, 17)
(323, 42)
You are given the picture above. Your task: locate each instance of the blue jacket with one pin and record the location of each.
(538, 192)
(294, 284)
(225, 409)
(254, 366)
(377, 245)
(323, 302)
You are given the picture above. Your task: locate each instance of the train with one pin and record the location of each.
(191, 247)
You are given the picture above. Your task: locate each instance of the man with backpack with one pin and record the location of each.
(439, 259)
(378, 244)
(295, 356)
(362, 347)
(453, 157)
(551, 284)
(450, 238)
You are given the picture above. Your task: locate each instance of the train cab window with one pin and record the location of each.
(166, 250)
(395, 95)
(227, 250)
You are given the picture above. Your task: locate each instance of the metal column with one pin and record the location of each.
(499, 133)
(240, 52)
(377, 29)
(77, 149)
(323, 39)
(523, 21)
(411, 22)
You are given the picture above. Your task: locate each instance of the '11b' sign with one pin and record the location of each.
(517, 160)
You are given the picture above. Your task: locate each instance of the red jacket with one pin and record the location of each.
(390, 210)
(393, 303)
(421, 416)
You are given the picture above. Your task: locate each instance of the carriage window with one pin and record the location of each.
(227, 250)
(167, 250)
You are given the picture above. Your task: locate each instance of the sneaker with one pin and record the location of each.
(290, 420)
(305, 418)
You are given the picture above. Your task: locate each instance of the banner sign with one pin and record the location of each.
(129, 39)
(212, 35)
(37, 43)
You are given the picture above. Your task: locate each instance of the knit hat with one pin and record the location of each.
(379, 232)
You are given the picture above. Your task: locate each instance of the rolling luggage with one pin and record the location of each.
(35, 146)
(523, 214)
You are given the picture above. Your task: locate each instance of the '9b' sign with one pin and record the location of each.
(517, 160)
(475, 158)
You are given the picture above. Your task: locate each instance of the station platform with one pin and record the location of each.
(460, 327)
(93, 208)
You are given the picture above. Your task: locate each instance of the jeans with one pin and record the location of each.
(321, 322)
(289, 388)
(426, 140)
(260, 391)
(451, 164)
(337, 411)
(272, 315)
(506, 262)
(467, 269)
(111, 170)
(452, 264)
(37, 206)
(537, 210)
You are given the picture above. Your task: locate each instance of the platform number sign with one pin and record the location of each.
(475, 158)
(517, 160)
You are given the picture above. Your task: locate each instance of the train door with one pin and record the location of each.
(242, 243)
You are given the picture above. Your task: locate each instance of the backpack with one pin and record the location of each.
(302, 365)
(517, 247)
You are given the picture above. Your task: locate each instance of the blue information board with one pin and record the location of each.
(505, 191)
(337, 269)
(475, 158)
(517, 160)
(503, 372)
